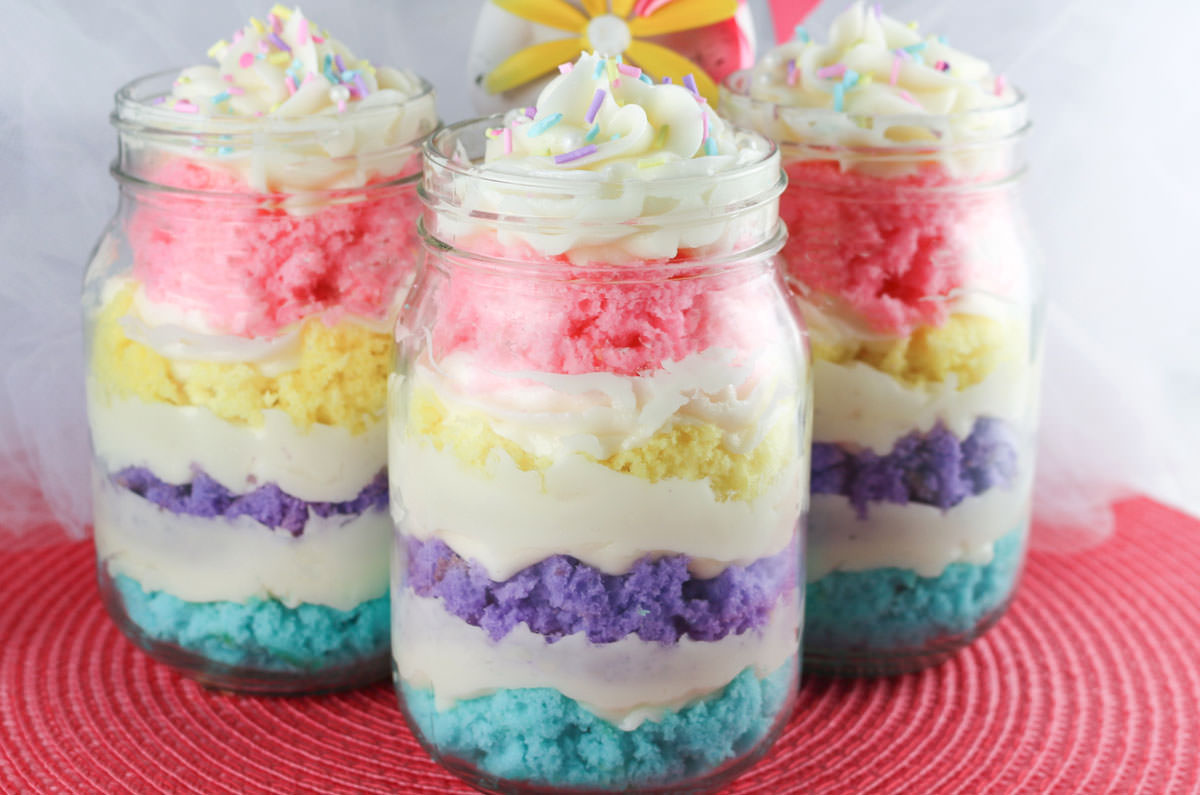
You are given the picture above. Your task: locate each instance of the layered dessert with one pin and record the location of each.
(239, 311)
(906, 257)
(598, 445)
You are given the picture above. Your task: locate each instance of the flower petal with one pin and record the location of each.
(531, 63)
(621, 8)
(594, 8)
(551, 13)
(661, 62)
(683, 15)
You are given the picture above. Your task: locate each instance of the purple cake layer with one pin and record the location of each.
(932, 468)
(268, 504)
(658, 599)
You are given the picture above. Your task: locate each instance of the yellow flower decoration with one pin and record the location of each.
(609, 32)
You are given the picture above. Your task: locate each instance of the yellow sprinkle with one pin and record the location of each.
(366, 67)
(217, 49)
(661, 138)
(611, 66)
(651, 162)
(865, 81)
(913, 24)
(280, 58)
(258, 26)
(274, 107)
(281, 11)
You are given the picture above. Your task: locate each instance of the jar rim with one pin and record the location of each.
(1016, 113)
(134, 113)
(435, 153)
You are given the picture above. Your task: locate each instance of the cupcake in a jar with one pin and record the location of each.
(238, 311)
(908, 257)
(598, 446)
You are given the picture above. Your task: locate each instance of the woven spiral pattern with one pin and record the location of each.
(1090, 684)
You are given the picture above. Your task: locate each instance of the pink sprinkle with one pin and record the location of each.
(628, 69)
(263, 47)
(308, 78)
(237, 36)
(302, 32)
(246, 60)
(1000, 83)
(942, 66)
(837, 70)
(290, 82)
(507, 138)
(341, 106)
(565, 68)
(183, 106)
(235, 91)
(791, 72)
(897, 62)
(227, 78)
(617, 83)
(905, 95)
(317, 39)
(703, 126)
(275, 25)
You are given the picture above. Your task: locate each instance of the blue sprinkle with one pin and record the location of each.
(539, 127)
(599, 68)
(710, 146)
(592, 133)
(225, 150)
(614, 136)
(850, 79)
(942, 40)
(802, 34)
(839, 97)
(645, 78)
(222, 97)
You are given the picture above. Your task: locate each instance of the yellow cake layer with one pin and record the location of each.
(967, 346)
(686, 450)
(341, 379)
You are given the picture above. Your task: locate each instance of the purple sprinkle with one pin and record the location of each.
(690, 82)
(361, 85)
(278, 42)
(338, 60)
(582, 151)
(158, 100)
(597, 101)
(666, 80)
(531, 112)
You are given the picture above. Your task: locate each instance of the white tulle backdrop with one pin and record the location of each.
(1114, 196)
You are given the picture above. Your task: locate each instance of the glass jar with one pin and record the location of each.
(909, 259)
(598, 451)
(238, 315)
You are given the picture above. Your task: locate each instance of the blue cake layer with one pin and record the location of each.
(892, 609)
(262, 634)
(540, 736)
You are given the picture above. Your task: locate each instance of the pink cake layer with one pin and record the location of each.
(253, 270)
(624, 319)
(882, 247)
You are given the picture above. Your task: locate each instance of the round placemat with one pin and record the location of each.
(1090, 684)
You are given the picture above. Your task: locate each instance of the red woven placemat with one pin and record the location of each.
(1090, 684)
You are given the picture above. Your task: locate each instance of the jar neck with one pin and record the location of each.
(979, 148)
(588, 219)
(322, 153)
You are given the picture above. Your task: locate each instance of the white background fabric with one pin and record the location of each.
(1113, 196)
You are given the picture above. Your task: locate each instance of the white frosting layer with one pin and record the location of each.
(323, 464)
(290, 109)
(600, 414)
(643, 131)
(508, 519)
(651, 153)
(625, 682)
(923, 538)
(857, 404)
(338, 562)
(879, 83)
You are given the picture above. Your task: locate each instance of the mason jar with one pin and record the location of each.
(598, 452)
(237, 313)
(909, 258)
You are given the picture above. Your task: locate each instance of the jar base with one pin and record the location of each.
(883, 662)
(709, 782)
(240, 678)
